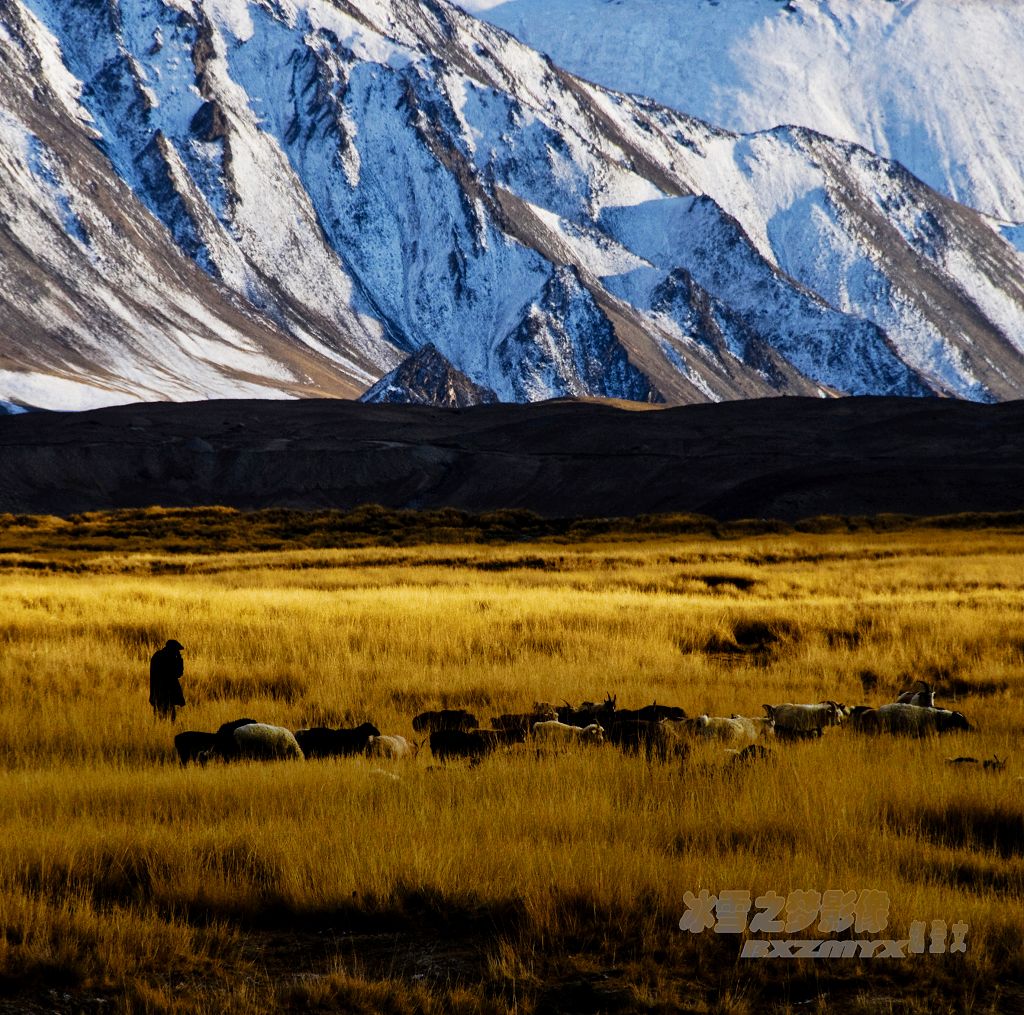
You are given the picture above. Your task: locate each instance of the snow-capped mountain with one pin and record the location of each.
(937, 85)
(427, 378)
(278, 197)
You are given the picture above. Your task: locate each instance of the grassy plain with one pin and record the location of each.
(520, 884)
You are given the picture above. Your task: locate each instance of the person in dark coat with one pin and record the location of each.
(165, 670)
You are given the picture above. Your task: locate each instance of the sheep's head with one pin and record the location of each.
(834, 712)
(958, 721)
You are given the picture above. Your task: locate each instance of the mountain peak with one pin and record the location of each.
(427, 378)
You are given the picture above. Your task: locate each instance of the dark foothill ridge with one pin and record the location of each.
(785, 458)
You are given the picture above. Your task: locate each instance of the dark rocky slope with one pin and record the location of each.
(427, 378)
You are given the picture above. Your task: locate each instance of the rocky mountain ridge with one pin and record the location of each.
(275, 198)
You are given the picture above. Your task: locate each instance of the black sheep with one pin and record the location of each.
(472, 744)
(650, 713)
(190, 744)
(324, 742)
(656, 739)
(445, 719)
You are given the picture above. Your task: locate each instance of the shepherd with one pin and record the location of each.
(165, 670)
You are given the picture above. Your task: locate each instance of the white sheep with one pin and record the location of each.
(713, 727)
(755, 727)
(804, 720)
(260, 742)
(915, 720)
(736, 729)
(387, 746)
(555, 733)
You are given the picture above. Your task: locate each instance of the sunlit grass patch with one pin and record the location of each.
(523, 883)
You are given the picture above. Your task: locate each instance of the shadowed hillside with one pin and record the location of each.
(779, 458)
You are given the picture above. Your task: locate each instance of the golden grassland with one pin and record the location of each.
(523, 884)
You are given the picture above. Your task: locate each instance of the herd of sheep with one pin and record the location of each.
(657, 731)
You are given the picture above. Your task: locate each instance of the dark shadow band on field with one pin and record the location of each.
(587, 958)
(217, 529)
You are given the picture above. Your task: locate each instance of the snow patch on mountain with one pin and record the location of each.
(38, 172)
(602, 254)
(51, 392)
(45, 49)
(1013, 234)
(234, 16)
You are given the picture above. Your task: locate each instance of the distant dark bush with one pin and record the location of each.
(824, 524)
(754, 527)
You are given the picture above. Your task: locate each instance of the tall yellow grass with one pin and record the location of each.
(122, 873)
